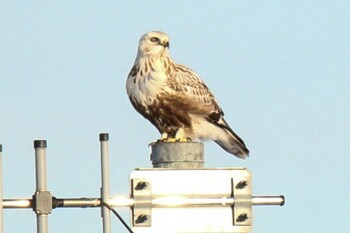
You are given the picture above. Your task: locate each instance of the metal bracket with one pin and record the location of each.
(42, 202)
(242, 194)
(142, 210)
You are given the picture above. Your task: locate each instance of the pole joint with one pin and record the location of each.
(42, 202)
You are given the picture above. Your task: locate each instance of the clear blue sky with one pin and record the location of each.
(280, 70)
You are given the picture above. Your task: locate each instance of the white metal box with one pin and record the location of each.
(196, 200)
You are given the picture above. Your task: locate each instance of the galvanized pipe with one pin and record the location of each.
(41, 181)
(178, 201)
(17, 203)
(177, 155)
(105, 189)
(268, 200)
(159, 202)
(1, 194)
(77, 202)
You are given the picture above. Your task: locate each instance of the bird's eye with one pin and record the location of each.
(154, 39)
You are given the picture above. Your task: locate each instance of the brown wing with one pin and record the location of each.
(188, 87)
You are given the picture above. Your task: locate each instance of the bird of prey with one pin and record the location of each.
(175, 100)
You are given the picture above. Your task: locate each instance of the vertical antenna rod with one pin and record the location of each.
(41, 185)
(1, 197)
(106, 221)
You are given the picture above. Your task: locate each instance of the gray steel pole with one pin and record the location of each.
(105, 189)
(160, 202)
(1, 197)
(41, 182)
(178, 155)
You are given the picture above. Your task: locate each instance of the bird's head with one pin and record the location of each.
(154, 43)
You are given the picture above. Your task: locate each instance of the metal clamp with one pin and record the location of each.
(141, 211)
(242, 194)
(42, 202)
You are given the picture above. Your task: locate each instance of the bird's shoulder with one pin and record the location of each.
(186, 83)
(182, 78)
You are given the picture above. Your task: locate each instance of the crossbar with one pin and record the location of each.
(161, 202)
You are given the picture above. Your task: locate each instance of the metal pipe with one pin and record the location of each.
(268, 200)
(1, 194)
(124, 201)
(121, 201)
(17, 203)
(77, 202)
(41, 181)
(42, 223)
(40, 165)
(180, 201)
(177, 155)
(105, 189)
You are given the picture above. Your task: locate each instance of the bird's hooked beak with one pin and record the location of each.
(165, 43)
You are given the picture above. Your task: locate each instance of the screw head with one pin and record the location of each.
(242, 217)
(141, 185)
(242, 184)
(141, 219)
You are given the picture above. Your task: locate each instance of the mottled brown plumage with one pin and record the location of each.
(175, 100)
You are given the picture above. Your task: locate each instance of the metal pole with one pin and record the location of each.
(41, 182)
(1, 197)
(17, 203)
(83, 202)
(178, 155)
(268, 200)
(106, 220)
(158, 202)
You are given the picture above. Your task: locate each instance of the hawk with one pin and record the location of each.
(175, 100)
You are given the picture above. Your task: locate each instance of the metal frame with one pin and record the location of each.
(140, 199)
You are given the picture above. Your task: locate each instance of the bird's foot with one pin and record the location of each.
(158, 141)
(186, 139)
(169, 140)
(178, 140)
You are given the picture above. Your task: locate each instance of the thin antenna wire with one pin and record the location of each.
(118, 216)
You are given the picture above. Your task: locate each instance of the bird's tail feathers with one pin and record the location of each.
(231, 142)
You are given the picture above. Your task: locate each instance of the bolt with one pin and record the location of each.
(141, 219)
(242, 184)
(141, 185)
(242, 217)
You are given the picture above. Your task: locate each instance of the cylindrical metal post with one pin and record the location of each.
(158, 202)
(186, 155)
(268, 200)
(42, 223)
(1, 197)
(17, 203)
(83, 202)
(105, 189)
(41, 181)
